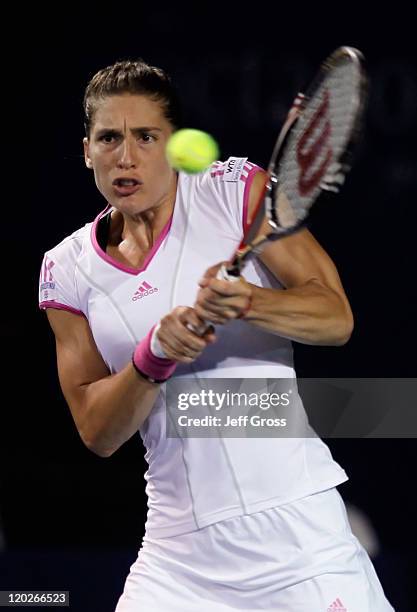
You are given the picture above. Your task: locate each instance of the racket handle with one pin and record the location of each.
(222, 274)
(228, 275)
(200, 331)
(155, 345)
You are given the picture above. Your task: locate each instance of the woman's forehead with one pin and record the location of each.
(128, 110)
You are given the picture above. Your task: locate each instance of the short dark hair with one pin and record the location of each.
(133, 77)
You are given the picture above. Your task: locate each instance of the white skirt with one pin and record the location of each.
(293, 558)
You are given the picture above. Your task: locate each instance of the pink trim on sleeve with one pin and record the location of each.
(59, 306)
(248, 185)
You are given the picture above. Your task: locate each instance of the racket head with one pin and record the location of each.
(314, 149)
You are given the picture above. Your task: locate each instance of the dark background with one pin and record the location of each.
(71, 520)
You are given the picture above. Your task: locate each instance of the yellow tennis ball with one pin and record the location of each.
(191, 150)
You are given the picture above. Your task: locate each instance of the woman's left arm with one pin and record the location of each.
(311, 309)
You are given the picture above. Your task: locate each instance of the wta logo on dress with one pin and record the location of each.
(144, 290)
(47, 286)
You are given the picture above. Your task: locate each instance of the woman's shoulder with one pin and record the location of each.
(232, 170)
(70, 247)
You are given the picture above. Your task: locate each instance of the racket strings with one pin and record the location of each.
(312, 157)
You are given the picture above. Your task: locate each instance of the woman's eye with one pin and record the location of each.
(146, 138)
(108, 138)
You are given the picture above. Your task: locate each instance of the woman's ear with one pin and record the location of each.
(87, 159)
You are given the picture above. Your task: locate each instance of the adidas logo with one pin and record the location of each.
(337, 606)
(144, 290)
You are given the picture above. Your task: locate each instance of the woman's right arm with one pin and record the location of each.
(109, 408)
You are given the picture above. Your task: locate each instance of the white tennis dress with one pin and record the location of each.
(233, 523)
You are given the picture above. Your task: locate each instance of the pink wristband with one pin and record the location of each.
(155, 369)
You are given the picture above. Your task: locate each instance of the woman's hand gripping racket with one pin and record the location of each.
(312, 154)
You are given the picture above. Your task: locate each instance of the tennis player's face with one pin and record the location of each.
(126, 150)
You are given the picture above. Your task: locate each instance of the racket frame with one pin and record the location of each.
(252, 244)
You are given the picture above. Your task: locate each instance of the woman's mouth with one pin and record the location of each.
(126, 186)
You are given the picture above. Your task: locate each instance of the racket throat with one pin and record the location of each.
(245, 254)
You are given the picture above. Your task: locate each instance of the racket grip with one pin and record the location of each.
(225, 274)
(201, 330)
(222, 274)
(155, 345)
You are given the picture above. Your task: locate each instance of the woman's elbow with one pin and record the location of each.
(96, 446)
(345, 328)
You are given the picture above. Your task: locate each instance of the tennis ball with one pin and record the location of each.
(191, 150)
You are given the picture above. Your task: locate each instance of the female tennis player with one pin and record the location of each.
(233, 523)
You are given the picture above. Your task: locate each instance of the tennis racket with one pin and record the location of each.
(313, 153)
